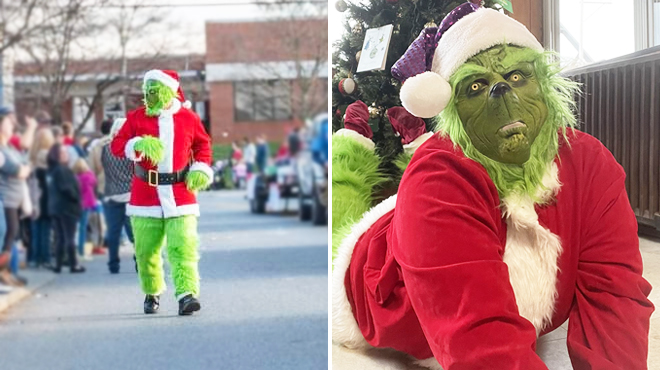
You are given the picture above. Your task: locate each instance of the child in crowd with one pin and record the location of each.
(87, 183)
(64, 206)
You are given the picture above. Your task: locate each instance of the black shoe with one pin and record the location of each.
(188, 305)
(77, 269)
(151, 303)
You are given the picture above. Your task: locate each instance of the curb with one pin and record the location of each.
(37, 279)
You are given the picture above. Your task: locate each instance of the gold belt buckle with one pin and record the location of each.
(152, 178)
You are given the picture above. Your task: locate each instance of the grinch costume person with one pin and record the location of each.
(506, 223)
(172, 153)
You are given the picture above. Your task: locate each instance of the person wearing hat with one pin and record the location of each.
(507, 221)
(172, 155)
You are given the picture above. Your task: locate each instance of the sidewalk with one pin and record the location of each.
(551, 347)
(36, 280)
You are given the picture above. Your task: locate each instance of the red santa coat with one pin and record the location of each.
(444, 270)
(185, 140)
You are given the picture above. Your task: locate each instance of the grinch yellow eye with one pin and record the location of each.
(475, 86)
(516, 77)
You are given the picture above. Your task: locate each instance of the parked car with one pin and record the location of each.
(312, 171)
(266, 191)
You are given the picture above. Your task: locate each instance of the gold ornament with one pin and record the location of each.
(358, 55)
(430, 24)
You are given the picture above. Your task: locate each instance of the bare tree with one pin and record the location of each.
(22, 19)
(305, 41)
(86, 22)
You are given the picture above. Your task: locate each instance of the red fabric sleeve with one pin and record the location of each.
(447, 242)
(201, 145)
(127, 132)
(609, 322)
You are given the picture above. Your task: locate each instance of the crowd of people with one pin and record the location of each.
(62, 198)
(253, 156)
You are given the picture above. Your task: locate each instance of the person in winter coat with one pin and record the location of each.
(64, 206)
(40, 226)
(87, 183)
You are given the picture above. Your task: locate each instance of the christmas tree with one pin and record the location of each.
(378, 89)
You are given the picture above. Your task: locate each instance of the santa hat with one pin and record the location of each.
(405, 124)
(170, 79)
(357, 119)
(425, 68)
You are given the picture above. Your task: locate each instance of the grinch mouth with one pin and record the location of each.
(511, 129)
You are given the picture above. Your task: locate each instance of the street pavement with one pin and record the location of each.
(264, 305)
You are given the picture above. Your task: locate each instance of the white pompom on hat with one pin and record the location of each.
(426, 67)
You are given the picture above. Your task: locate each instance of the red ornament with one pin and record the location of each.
(347, 86)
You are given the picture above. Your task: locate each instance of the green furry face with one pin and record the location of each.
(157, 96)
(500, 103)
(557, 94)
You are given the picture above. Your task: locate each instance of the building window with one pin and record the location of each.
(262, 100)
(587, 34)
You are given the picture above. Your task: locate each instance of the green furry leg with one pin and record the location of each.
(182, 253)
(354, 176)
(148, 234)
(197, 180)
(152, 148)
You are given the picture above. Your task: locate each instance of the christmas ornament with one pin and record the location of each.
(341, 6)
(358, 55)
(347, 86)
(357, 28)
(430, 24)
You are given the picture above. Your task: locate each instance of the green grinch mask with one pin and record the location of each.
(157, 97)
(500, 103)
(539, 97)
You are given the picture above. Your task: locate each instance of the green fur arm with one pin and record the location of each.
(355, 174)
(197, 180)
(402, 161)
(152, 148)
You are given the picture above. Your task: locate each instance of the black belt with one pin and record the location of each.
(154, 178)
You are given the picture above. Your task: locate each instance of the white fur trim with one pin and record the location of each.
(129, 149)
(413, 145)
(187, 104)
(201, 166)
(425, 95)
(173, 109)
(474, 33)
(166, 136)
(531, 254)
(345, 330)
(158, 75)
(366, 142)
(157, 211)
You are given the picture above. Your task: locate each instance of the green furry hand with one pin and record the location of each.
(152, 148)
(197, 180)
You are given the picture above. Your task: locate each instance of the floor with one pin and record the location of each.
(551, 347)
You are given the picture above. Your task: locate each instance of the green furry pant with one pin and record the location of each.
(182, 253)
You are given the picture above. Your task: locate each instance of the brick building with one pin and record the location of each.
(31, 88)
(265, 76)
